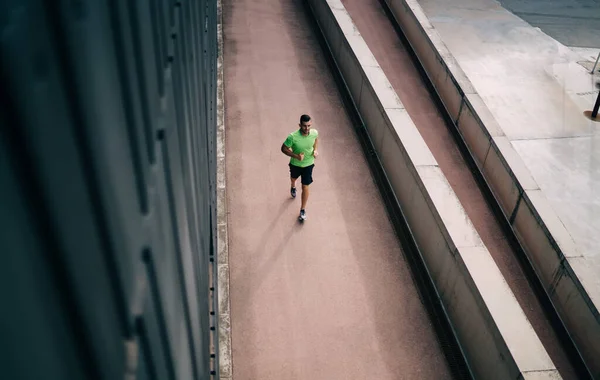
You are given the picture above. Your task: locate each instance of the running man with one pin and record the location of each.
(301, 146)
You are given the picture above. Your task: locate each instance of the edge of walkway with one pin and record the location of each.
(495, 335)
(544, 239)
(224, 318)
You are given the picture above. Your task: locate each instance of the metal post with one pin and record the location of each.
(594, 68)
(596, 106)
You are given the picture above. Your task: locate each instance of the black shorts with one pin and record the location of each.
(305, 173)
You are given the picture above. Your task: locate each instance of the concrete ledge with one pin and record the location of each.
(545, 240)
(224, 320)
(493, 331)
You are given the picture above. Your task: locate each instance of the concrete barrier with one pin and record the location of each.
(549, 247)
(493, 331)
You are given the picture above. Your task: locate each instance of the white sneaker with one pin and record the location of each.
(302, 216)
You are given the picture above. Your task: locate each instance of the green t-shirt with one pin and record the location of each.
(302, 144)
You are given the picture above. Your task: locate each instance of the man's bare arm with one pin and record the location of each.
(315, 146)
(288, 152)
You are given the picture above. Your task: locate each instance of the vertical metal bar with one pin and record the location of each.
(596, 106)
(594, 68)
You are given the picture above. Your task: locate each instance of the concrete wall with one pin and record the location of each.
(498, 340)
(543, 237)
(107, 221)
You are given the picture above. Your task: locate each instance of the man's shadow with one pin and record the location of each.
(266, 264)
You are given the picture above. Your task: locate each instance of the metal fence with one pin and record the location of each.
(107, 189)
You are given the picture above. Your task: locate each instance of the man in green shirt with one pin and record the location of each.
(301, 146)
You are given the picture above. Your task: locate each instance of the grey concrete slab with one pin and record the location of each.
(541, 375)
(483, 113)
(512, 66)
(568, 172)
(459, 225)
(513, 159)
(470, 128)
(537, 90)
(591, 280)
(349, 64)
(361, 51)
(399, 173)
(383, 88)
(528, 353)
(411, 139)
(329, 24)
(444, 232)
(506, 190)
(371, 114)
(223, 312)
(345, 22)
(553, 223)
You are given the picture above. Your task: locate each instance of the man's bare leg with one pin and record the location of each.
(293, 189)
(304, 196)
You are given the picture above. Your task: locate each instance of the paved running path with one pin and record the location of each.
(333, 298)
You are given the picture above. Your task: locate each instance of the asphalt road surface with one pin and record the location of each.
(571, 22)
